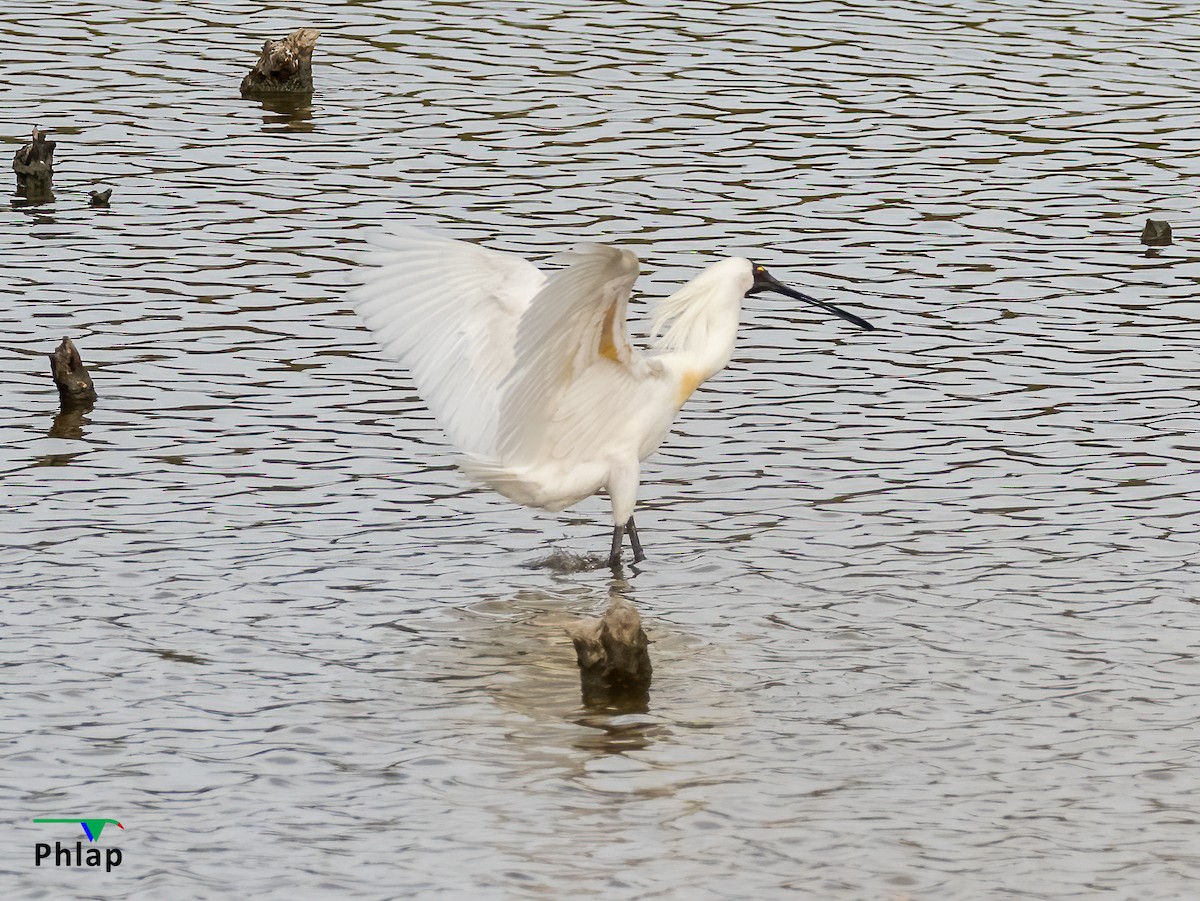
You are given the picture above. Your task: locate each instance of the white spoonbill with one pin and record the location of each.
(532, 374)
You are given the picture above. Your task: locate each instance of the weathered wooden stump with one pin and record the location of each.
(75, 387)
(35, 159)
(285, 66)
(614, 656)
(34, 165)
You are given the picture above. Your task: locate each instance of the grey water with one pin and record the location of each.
(923, 601)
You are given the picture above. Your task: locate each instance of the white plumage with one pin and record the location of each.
(532, 374)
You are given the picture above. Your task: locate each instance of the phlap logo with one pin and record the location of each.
(66, 856)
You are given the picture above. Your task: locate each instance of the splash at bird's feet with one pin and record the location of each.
(566, 563)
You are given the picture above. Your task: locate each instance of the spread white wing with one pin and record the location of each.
(573, 335)
(448, 310)
(517, 367)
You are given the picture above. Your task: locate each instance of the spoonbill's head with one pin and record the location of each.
(764, 281)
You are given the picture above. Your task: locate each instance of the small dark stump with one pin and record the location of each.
(1156, 233)
(285, 66)
(614, 656)
(75, 387)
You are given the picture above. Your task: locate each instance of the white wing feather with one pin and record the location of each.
(532, 377)
(448, 310)
(575, 324)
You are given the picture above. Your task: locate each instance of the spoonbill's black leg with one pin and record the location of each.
(614, 556)
(638, 556)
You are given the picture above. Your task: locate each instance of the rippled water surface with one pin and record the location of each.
(923, 601)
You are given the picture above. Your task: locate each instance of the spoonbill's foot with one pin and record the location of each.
(638, 554)
(614, 555)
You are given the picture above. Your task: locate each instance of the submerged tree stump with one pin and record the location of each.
(35, 159)
(34, 165)
(285, 66)
(1157, 233)
(75, 387)
(614, 655)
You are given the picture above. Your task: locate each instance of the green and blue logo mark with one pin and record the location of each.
(62, 854)
(91, 827)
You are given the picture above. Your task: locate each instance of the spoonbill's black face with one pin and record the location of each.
(764, 281)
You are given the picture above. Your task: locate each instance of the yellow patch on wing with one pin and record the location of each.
(688, 382)
(608, 345)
